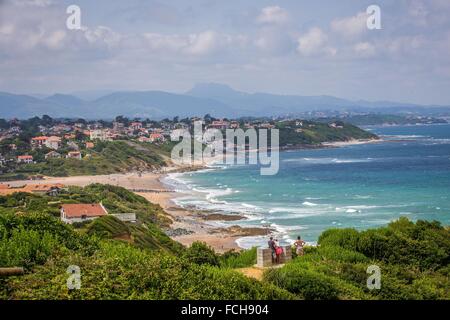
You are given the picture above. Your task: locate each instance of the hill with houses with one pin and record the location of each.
(50, 147)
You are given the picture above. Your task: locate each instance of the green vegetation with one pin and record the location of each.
(118, 260)
(413, 258)
(234, 260)
(105, 158)
(308, 133)
(121, 260)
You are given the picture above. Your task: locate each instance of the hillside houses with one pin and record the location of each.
(47, 140)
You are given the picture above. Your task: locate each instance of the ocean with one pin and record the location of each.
(357, 186)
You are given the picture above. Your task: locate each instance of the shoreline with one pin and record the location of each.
(188, 224)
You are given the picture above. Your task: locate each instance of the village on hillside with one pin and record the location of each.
(39, 140)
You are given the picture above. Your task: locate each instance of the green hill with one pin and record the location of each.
(105, 158)
(117, 260)
(120, 260)
(311, 133)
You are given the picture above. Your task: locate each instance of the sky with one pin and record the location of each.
(320, 47)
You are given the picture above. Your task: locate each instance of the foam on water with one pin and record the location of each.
(398, 179)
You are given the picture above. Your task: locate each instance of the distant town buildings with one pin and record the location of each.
(52, 155)
(25, 159)
(53, 142)
(74, 155)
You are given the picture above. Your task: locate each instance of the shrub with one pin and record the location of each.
(120, 271)
(345, 238)
(242, 259)
(341, 254)
(308, 284)
(25, 248)
(201, 253)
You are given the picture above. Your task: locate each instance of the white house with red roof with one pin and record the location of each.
(25, 159)
(71, 213)
(38, 142)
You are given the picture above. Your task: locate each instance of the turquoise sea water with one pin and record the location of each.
(359, 186)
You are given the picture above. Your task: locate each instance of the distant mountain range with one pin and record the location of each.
(216, 99)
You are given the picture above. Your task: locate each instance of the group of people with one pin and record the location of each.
(277, 250)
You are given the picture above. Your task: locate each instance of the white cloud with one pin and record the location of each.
(364, 49)
(35, 3)
(102, 35)
(204, 42)
(273, 14)
(274, 41)
(55, 39)
(350, 27)
(315, 41)
(406, 45)
(161, 42)
(195, 44)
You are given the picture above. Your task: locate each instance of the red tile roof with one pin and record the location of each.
(79, 210)
(43, 138)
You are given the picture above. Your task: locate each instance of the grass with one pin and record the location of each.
(105, 158)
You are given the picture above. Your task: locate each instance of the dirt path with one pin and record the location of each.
(252, 272)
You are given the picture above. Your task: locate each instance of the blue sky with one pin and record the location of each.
(286, 47)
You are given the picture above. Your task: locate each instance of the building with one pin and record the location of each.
(38, 142)
(44, 189)
(336, 125)
(266, 125)
(25, 159)
(234, 125)
(125, 217)
(156, 137)
(70, 136)
(136, 125)
(74, 155)
(72, 145)
(90, 145)
(219, 124)
(98, 135)
(118, 126)
(53, 142)
(52, 155)
(71, 213)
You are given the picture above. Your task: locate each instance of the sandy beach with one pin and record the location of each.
(338, 144)
(188, 225)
